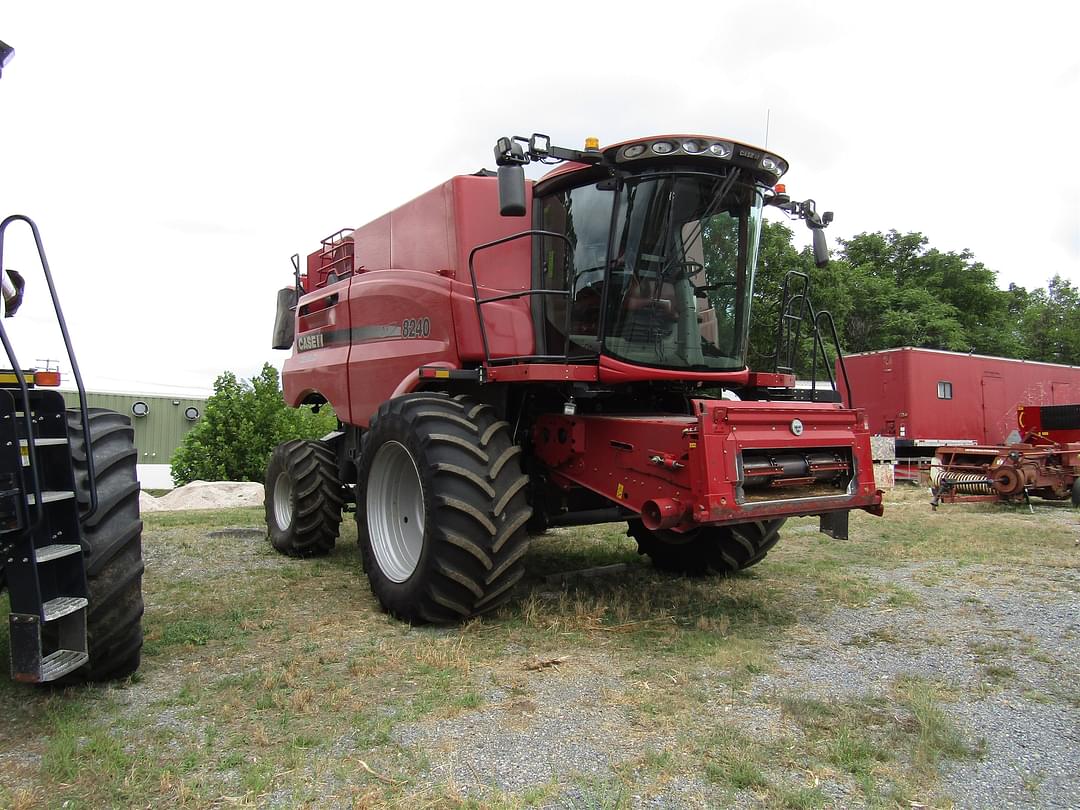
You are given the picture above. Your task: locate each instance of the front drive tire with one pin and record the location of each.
(708, 550)
(303, 499)
(441, 508)
(112, 543)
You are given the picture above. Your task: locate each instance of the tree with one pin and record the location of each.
(887, 290)
(907, 294)
(1050, 321)
(242, 423)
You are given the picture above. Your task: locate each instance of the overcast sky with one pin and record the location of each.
(175, 155)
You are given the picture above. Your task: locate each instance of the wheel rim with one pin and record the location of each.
(395, 511)
(283, 501)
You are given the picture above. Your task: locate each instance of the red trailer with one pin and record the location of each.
(927, 398)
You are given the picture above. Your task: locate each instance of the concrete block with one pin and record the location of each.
(884, 477)
(883, 448)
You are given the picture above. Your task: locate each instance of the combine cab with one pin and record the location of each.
(506, 356)
(1045, 463)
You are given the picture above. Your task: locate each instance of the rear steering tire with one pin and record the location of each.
(707, 550)
(112, 542)
(303, 499)
(441, 508)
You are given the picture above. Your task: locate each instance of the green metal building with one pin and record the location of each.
(160, 422)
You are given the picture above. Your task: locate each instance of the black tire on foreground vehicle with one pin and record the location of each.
(708, 550)
(112, 543)
(303, 499)
(441, 508)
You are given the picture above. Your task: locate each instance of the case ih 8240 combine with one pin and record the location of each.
(493, 380)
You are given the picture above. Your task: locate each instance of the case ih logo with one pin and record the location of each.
(308, 342)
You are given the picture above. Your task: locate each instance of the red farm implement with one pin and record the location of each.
(1046, 463)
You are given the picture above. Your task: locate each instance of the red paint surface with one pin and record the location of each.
(613, 456)
(413, 263)
(898, 390)
(1029, 419)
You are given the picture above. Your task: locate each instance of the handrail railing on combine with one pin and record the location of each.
(794, 307)
(24, 390)
(789, 324)
(338, 249)
(531, 358)
(839, 353)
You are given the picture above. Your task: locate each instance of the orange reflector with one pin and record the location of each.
(780, 188)
(49, 379)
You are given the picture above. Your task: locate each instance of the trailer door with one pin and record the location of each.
(1061, 393)
(996, 412)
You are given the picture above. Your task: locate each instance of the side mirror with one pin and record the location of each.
(821, 249)
(512, 191)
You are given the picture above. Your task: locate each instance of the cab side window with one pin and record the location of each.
(584, 216)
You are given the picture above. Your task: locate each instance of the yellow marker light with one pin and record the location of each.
(592, 144)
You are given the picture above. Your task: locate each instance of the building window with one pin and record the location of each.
(944, 390)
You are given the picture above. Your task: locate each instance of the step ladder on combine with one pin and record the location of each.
(40, 539)
(42, 556)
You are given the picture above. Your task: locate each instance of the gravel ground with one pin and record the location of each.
(509, 746)
(1007, 652)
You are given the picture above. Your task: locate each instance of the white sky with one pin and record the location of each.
(175, 155)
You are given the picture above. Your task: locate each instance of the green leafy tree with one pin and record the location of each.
(892, 289)
(1050, 321)
(905, 293)
(243, 421)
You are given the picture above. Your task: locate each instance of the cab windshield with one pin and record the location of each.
(671, 286)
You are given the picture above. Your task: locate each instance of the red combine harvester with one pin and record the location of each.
(1046, 463)
(493, 381)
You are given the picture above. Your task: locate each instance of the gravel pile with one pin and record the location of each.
(205, 495)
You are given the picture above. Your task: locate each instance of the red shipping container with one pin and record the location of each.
(926, 398)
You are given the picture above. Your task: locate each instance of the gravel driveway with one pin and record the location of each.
(1005, 652)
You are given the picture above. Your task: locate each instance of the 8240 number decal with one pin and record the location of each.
(415, 327)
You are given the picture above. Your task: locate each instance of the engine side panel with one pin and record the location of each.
(401, 320)
(321, 349)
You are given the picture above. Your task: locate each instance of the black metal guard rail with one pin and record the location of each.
(789, 333)
(839, 353)
(789, 323)
(24, 390)
(519, 294)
